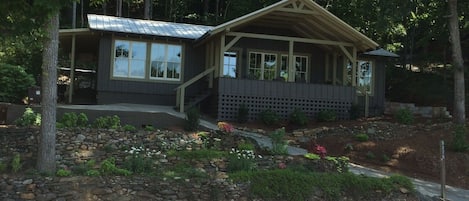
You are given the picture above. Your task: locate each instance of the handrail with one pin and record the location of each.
(181, 89)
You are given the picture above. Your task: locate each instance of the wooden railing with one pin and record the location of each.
(181, 90)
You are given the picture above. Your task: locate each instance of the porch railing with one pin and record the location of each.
(181, 90)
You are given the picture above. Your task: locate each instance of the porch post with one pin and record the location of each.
(291, 67)
(327, 67)
(72, 70)
(221, 55)
(354, 67)
(334, 69)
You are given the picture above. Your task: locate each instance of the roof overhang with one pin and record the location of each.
(78, 31)
(381, 53)
(304, 17)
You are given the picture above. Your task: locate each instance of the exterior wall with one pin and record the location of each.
(282, 97)
(143, 92)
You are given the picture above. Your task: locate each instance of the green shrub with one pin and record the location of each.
(243, 113)
(459, 142)
(183, 170)
(192, 119)
(362, 137)
(3, 167)
(82, 120)
(92, 173)
(29, 118)
(16, 163)
(149, 128)
(298, 117)
(63, 173)
(354, 112)
(108, 167)
(84, 167)
(107, 122)
(246, 146)
(326, 116)
(279, 145)
(129, 128)
(370, 155)
(269, 117)
(72, 120)
(404, 116)
(241, 160)
(14, 82)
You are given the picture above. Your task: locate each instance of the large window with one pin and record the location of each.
(165, 61)
(130, 61)
(301, 68)
(262, 66)
(364, 76)
(230, 64)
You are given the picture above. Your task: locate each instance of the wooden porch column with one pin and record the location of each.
(327, 67)
(354, 66)
(334, 69)
(72, 70)
(291, 62)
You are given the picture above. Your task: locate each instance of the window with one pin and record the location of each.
(229, 64)
(262, 66)
(301, 68)
(165, 61)
(364, 76)
(129, 59)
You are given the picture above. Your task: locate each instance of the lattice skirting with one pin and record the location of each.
(228, 106)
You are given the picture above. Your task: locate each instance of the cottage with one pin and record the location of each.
(292, 54)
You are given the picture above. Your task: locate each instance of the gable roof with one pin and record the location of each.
(305, 17)
(146, 27)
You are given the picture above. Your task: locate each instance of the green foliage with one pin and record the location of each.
(192, 119)
(279, 144)
(370, 155)
(63, 173)
(92, 173)
(354, 112)
(288, 184)
(107, 122)
(459, 142)
(72, 120)
(29, 118)
(149, 128)
(269, 117)
(84, 167)
(246, 146)
(16, 163)
(3, 167)
(326, 116)
(129, 128)
(108, 167)
(298, 117)
(241, 160)
(404, 116)
(361, 137)
(341, 163)
(385, 158)
(312, 156)
(15, 83)
(243, 113)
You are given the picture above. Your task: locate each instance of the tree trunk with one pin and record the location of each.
(146, 10)
(119, 8)
(206, 5)
(459, 110)
(46, 155)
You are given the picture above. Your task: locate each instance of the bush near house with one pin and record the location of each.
(14, 82)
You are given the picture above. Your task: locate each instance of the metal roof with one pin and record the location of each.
(146, 27)
(381, 52)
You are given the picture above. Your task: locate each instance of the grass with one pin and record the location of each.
(288, 184)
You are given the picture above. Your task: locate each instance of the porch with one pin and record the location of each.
(281, 97)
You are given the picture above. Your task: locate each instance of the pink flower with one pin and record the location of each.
(282, 165)
(225, 127)
(320, 150)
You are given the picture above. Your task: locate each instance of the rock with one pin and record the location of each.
(27, 196)
(84, 147)
(27, 181)
(46, 197)
(404, 190)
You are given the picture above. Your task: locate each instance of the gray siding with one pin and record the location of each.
(282, 97)
(143, 92)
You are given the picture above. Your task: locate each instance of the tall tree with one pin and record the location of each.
(458, 63)
(147, 9)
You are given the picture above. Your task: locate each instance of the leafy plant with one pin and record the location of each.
(16, 163)
(326, 116)
(361, 137)
(107, 122)
(241, 160)
(92, 173)
(298, 117)
(243, 113)
(129, 128)
(459, 142)
(404, 116)
(63, 173)
(279, 145)
(29, 118)
(269, 117)
(354, 112)
(139, 159)
(385, 158)
(82, 120)
(200, 154)
(3, 167)
(312, 156)
(246, 146)
(370, 155)
(15, 83)
(72, 120)
(108, 167)
(192, 119)
(320, 150)
(149, 128)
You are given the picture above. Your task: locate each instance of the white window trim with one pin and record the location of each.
(165, 73)
(293, 69)
(129, 60)
(262, 69)
(372, 80)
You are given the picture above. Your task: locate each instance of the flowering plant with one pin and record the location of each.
(225, 127)
(320, 150)
(140, 159)
(242, 160)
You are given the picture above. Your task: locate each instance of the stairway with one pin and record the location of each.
(194, 100)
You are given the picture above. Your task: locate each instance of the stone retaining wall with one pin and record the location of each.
(424, 111)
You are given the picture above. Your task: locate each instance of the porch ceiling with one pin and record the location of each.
(304, 17)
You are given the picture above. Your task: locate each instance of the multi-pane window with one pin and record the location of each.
(364, 76)
(165, 61)
(229, 64)
(301, 68)
(129, 59)
(262, 66)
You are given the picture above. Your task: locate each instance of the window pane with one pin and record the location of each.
(255, 60)
(270, 66)
(137, 68)
(174, 53)
(121, 67)
(157, 69)
(229, 67)
(301, 68)
(284, 67)
(158, 58)
(364, 74)
(139, 50)
(174, 70)
(122, 48)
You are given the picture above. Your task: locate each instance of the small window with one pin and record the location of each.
(230, 64)
(301, 68)
(129, 59)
